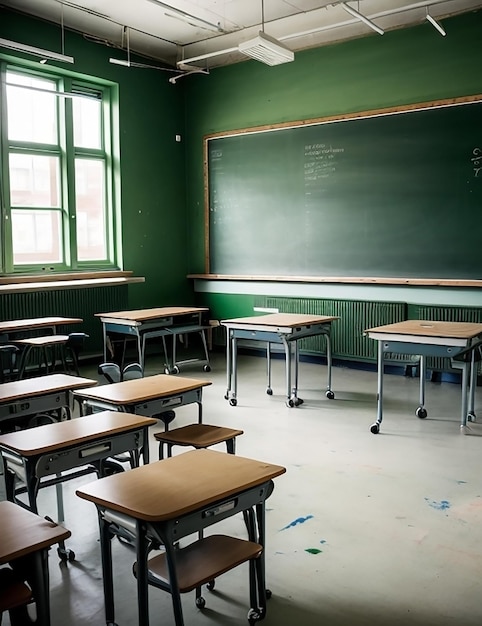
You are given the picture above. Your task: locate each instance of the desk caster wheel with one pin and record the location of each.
(66, 555)
(233, 402)
(207, 368)
(268, 593)
(471, 417)
(175, 370)
(211, 584)
(375, 428)
(330, 395)
(421, 412)
(269, 391)
(290, 403)
(200, 602)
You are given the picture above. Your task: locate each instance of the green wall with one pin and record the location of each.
(162, 181)
(154, 233)
(402, 67)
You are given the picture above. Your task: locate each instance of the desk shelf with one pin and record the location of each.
(202, 561)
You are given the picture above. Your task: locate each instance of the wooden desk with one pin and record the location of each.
(25, 535)
(25, 398)
(10, 328)
(427, 338)
(31, 456)
(171, 499)
(284, 328)
(161, 322)
(148, 396)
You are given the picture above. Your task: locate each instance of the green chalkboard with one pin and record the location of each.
(396, 194)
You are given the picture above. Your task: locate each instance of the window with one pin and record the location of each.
(58, 200)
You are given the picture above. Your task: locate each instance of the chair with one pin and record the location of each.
(42, 353)
(15, 595)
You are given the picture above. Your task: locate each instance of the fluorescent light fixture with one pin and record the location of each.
(436, 24)
(38, 52)
(123, 62)
(362, 18)
(188, 18)
(267, 50)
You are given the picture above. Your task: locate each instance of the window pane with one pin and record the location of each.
(34, 180)
(90, 195)
(87, 123)
(36, 236)
(32, 115)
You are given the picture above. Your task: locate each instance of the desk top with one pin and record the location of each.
(144, 315)
(429, 328)
(142, 389)
(61, 435)
(23, 532)
(42, 385)
(277, 320)
(167, 489)
(36, 322)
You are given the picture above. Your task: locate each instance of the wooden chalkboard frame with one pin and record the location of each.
(311, 122)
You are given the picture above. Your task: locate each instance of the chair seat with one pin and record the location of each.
(197, 435)
(44, 349)
(41, 342)
(13, 593)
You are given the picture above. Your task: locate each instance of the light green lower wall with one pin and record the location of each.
(349, 342)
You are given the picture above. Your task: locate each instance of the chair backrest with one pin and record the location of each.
(131, 371)
(110, 371)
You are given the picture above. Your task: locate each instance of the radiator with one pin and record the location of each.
(82, 303)
(348, 340)
(444, 314)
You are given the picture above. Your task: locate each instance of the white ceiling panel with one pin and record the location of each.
(170, 31)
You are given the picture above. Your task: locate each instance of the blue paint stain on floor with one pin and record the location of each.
(441, 505)
(298, 520)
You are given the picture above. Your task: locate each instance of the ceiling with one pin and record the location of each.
(206, 33)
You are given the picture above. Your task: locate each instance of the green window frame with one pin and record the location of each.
(59, 176)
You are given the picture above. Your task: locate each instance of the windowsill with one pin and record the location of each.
(74, 280)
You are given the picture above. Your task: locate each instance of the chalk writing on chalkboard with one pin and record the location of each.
(477, 161)
(382, 194)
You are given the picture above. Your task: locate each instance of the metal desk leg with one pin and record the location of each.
(107, 577)
(40, 586)
(287, 347)
(375, 428)
(263, 593)
(104, 337)
(231, 368)
(329, 392)
(297, 370)
(269, 389)
(473, 383)
(465, 394)
(421, 410)
(173, 584)
(142, 578)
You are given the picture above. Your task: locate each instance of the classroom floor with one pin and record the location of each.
(363, 529)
